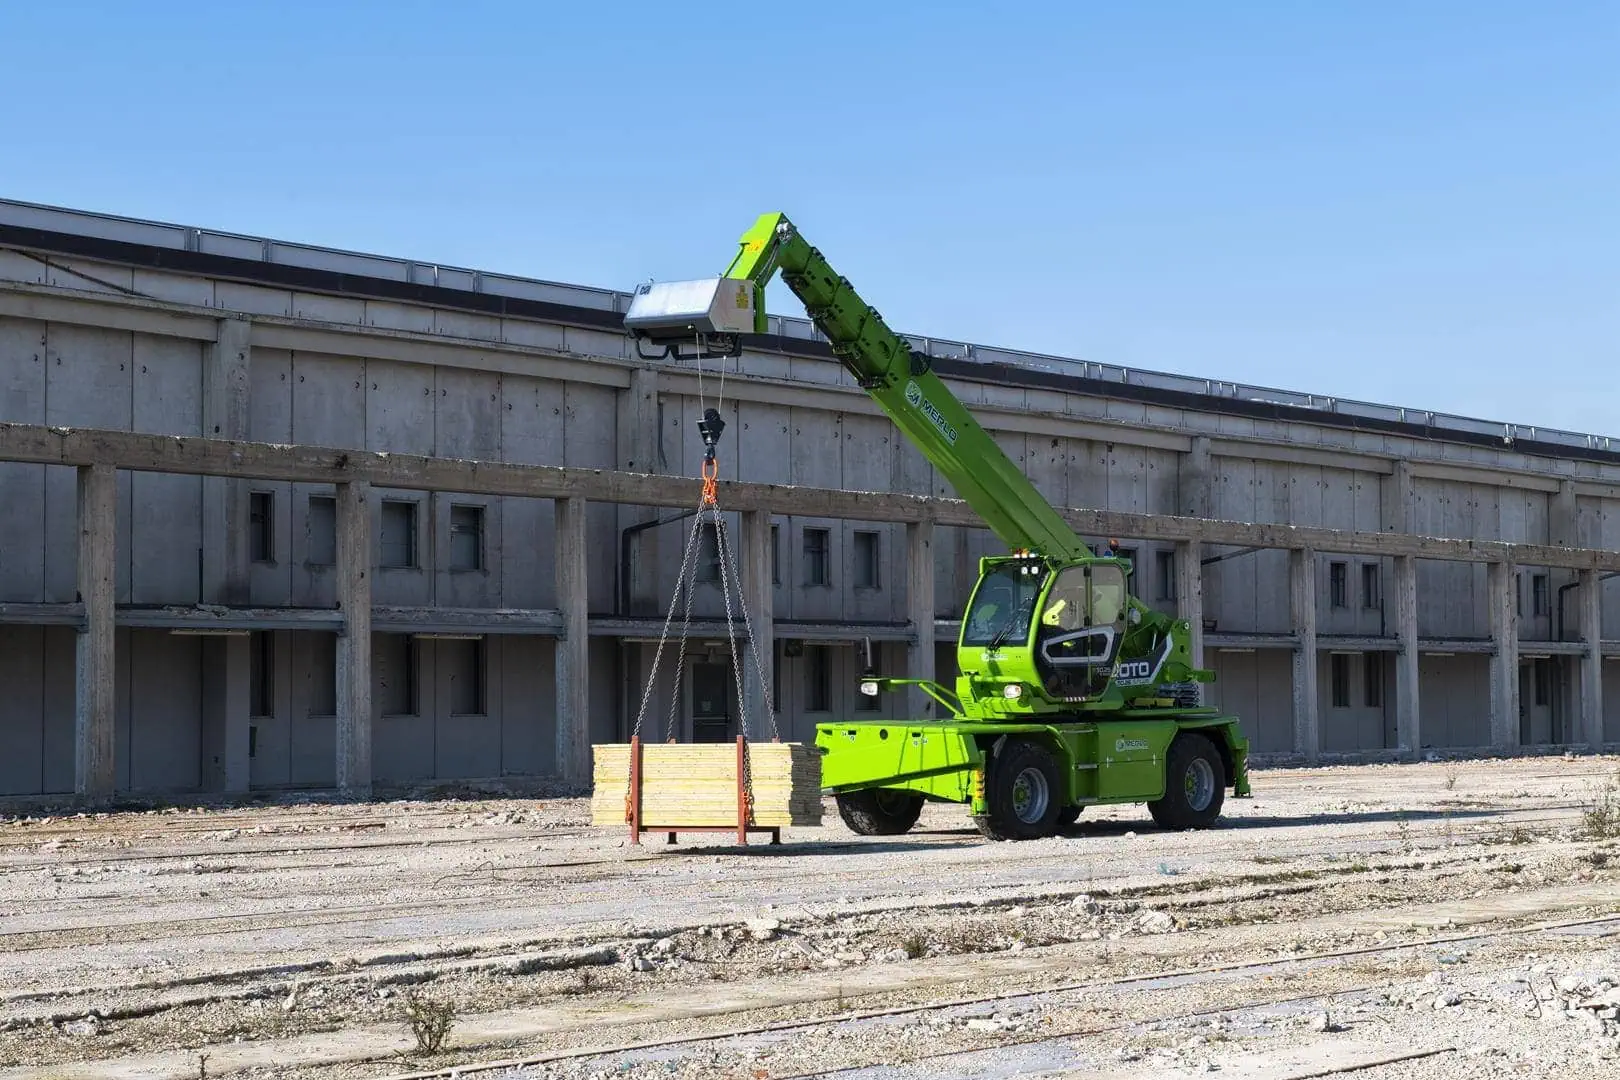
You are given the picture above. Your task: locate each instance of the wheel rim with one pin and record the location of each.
(1200, 784)
(1030, 796)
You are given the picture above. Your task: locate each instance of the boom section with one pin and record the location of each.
(898, 378)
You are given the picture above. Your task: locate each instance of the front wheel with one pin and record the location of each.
(1194, 785)
(1024, 792)
(879, 811)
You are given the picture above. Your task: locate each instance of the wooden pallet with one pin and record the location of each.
(698, 787)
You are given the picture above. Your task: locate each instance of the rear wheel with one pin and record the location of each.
(879, 811)
(1024, 793)
(1194, 785)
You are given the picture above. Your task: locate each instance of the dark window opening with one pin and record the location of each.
(867, 554)
(1371, 586)
(1540, 595)
(1339, 584)
(1373, 672)
(708, 557)
(817, 679)
(262, 526)
(262, 674)
(466, 537)
(1167, 574)
(1340, 664)
(815, 557)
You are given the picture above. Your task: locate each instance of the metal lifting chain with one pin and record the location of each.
(710, 427)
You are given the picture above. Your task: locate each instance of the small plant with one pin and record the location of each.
(914, 946)
(1451, 779)
(430, 1022)
(1518, 835)
(1601, 820)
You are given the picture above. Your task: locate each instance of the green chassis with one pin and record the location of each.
(1120, 759)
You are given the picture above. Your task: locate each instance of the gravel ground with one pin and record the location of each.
(288, 940)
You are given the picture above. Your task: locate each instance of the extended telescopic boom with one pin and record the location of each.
(712, 315)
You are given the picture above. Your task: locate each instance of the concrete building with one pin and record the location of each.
(230, 671)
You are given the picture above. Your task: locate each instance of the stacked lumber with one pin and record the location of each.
(695, 784)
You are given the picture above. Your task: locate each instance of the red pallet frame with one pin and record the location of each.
(742, 828)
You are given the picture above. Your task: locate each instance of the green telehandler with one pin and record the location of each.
(1070, 691)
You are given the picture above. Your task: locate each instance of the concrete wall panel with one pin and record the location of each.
(22, 710)
(164, 741)
(166, 511)
(527, 695)
(1455, 692)
(22, 487)
(312, 713)
(1245, 685)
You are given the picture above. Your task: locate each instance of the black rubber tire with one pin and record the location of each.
(1068, 816)
(1017, 758)
(1192, 761)
(879, 811)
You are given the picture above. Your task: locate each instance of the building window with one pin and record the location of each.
(464, 661)
(1373, 674)
(776, 555)
(1339, 584)
(398, 534)
(262, 526)
(1518, 595)
(466, 537)
(261, 675)
(1340, 664)
(817, 679)
(1167, 574)
(321, 531)
(708, 557)
(396, 660)
(815, 557)
(1542, 674)
(1540, 595)
(1129, 555)
(1371, 592)
(867, 553)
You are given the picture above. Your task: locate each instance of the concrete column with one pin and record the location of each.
(354, 643)
(1591, 592)
(1398, 495)
(225, 502)
(95, 659)
(920, 613)
(759, 598)
(1408, 723)
(1197, 480)
(574, 646)
(1503, 599)
(1190, 593)
(1302, 603)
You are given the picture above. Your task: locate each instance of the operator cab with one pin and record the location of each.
(1080, 629)
(1075, 633)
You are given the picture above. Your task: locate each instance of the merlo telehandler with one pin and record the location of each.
(1070, 691)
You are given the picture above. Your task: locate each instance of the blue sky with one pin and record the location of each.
(1410, 203)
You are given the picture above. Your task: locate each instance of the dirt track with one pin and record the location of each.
(284, 940)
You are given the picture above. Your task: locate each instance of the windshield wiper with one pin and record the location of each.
(1000, 636)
